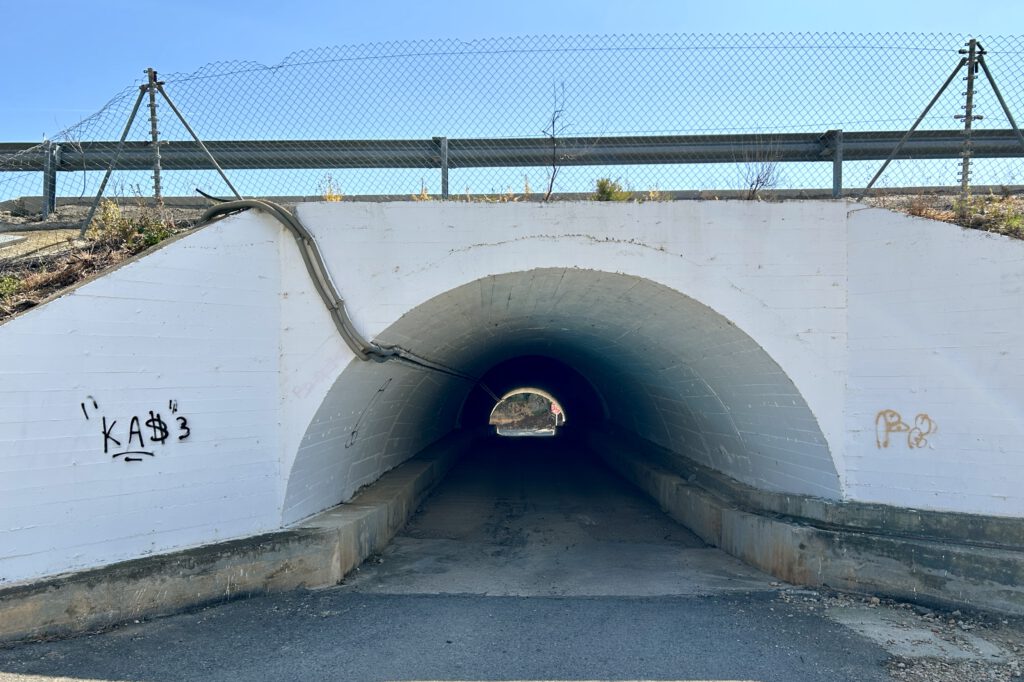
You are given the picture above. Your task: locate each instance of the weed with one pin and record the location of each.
(760, 170)
(112, 229)
(1002, 213)
(921, 207)
(610, 190)
(760, 176)
(9, 286)
(116, 230)
(329, 189)
(423, 195)
(153, 234)
(506, 197)
(19, 209)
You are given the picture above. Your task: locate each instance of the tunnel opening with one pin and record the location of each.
(553, 381)
(621, 354)
(527, 411)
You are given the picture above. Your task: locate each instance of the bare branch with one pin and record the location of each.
(554, 129)
(761, 169)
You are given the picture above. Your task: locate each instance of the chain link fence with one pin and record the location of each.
(657, 115)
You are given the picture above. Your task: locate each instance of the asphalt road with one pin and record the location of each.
(530, 562)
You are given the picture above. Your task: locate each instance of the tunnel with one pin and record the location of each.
(620, 352)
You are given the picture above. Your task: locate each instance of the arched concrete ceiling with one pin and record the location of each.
(667, 367)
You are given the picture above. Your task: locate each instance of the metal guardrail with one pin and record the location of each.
(835, 146)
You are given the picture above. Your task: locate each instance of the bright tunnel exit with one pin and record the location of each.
(527, 412)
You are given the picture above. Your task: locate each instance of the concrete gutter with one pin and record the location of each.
(834, 544)
(318, 552)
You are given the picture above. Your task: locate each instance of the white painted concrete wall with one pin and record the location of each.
(776, 271)
(196, 323)
(937, 336)
(862, 310)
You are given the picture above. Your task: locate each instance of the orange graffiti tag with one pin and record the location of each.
(890, 421)
(923, 427)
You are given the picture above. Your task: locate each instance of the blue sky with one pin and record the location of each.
(66, 58)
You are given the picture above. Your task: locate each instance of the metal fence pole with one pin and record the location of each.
(836, 138)
(51, 161)
(968, 118)
(113, 162)
(442, 143)
(151, 87)
(213, 161)
(906, 136)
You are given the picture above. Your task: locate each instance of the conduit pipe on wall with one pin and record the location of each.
(314, 263)
(317, 269)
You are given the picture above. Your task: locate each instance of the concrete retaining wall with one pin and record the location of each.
(316, 553)
(955, 562)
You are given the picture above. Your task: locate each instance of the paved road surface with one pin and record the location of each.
(528, 563)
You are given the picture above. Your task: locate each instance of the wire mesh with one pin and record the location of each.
(277, 129)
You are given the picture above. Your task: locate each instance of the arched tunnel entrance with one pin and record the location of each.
(619, 352)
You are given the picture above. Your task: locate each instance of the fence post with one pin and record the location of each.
(442, 143)
(968, 117)
(51, 161)
(836, 141)
(154, 135)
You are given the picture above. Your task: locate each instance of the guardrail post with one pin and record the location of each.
(837, 163)
(442, 143)
(51, 161)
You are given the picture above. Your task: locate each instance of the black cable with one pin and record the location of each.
(317, 269)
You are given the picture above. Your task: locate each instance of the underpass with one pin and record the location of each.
(799, 385)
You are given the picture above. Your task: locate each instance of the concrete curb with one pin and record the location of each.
(316, 553)
(924, 570)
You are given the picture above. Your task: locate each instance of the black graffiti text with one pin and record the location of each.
(142, 433)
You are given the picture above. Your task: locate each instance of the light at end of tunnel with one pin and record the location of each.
(527, 411)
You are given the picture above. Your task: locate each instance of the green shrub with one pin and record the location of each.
(9, 286)
(113, 228)
(610, 190)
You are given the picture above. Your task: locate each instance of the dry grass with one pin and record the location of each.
(999, 213)
(26, 282)
(117, 233)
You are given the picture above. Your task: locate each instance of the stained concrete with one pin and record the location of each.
(316, 553)
(544, 517)
(820, 550)
(532, 560)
